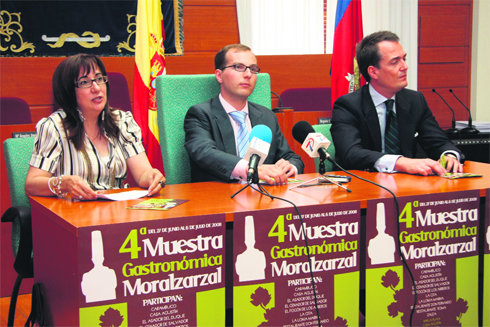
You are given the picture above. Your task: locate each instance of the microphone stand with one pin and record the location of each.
(470, 129)
(280, 108)
(321, 166)
(316, 178)
(453, 129)
(253, 180)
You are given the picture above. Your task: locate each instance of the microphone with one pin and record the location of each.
(314, 144)
(258, 149)
(470, 129)
(280, 108)
(453, 129)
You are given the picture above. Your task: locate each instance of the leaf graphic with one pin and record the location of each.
(390, 279)
(260, 297)
(393, 309)
(111, 318)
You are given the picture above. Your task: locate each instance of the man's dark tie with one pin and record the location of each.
(392, 140)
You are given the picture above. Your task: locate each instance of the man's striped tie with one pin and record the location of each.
(392, 140)
(243, 134)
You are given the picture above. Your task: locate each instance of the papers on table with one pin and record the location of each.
(482, 126)
(127, 195)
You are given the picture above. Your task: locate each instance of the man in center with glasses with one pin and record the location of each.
(216, 129)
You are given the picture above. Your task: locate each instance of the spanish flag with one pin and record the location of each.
(348, 32)
(149, 63)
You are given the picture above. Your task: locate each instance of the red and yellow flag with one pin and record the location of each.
(149, 63)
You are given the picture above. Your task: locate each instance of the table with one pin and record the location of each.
(57, 223)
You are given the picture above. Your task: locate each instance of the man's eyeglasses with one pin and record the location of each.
(85, 82)
(254, 69)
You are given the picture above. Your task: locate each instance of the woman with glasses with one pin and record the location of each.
(85, 145)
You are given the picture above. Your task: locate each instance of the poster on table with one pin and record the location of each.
(438, 237)
(273, 278)
(486, 262)
(167, 272)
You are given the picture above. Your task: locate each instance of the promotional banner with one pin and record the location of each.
(438, 236)
(274, 278)
(486, 263)
(167, 272)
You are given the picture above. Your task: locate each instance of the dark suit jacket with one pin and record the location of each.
(210, 141)
(357, 137)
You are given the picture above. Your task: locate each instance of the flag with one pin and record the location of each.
(348, 32)
(149, 63)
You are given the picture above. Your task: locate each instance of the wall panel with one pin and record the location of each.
(445, 55)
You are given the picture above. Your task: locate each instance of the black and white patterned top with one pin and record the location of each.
(55, 154)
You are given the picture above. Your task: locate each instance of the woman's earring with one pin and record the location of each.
(81, 115)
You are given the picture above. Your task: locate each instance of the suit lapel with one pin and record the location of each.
(372, 120)
(223, 126)
(403, 115)
(255, 115)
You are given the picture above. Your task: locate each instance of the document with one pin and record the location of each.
(121, 196)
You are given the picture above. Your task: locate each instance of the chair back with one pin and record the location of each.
(17, 153)
(325, 130)
(307, 99)
(175, 95)
(119, 95)
(14, 111)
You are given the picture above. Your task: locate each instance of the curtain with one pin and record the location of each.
(400, 17)
(297, 26)
(275, 27)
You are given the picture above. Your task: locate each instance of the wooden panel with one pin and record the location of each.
(445, 25)
(297, 71)
(443, 55)
(209, 3)
(30, 77)
(209, 29)
(444, 75)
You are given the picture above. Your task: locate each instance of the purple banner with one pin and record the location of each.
(153, 273)
(438, 237)
(486, 263)
(273, 282)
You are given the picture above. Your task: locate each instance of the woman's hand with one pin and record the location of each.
(145, 175)
(157, 182)
(77, 188)
(43, 183)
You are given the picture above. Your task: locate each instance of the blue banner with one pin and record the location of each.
(63, 28)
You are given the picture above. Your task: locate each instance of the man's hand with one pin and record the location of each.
(424, 167)
(276, 174)
(286, 167)
(452, 164)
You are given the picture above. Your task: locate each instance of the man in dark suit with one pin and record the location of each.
(367, 136)
(212, 132)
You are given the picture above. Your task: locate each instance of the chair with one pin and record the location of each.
(175, 95)
(17, 154)
(307, 99)
(119, 97)
(14, 111)
(325, 130)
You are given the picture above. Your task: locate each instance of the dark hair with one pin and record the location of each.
(64, 78)
(220, 58)
(367, 50)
